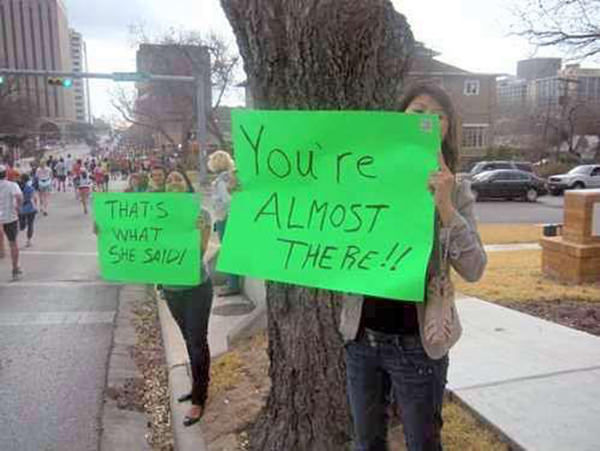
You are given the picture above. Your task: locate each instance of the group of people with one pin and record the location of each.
(396, 352)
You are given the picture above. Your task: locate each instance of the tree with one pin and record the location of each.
(142, 111)
(571, 25)
(310, 55)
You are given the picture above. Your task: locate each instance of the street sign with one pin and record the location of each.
(131, 76)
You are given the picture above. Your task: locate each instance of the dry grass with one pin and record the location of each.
(517, 276)
(240, 383)
(462, 431)
(225, 372)
(509, 233)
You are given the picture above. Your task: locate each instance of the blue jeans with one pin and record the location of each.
(416, 382)
(232, 281)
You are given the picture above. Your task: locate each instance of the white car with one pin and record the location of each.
(586, 176)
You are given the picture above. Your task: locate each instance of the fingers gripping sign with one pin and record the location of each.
(441, 185)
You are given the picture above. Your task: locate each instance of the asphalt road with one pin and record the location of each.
(548, 209)
(56, 327)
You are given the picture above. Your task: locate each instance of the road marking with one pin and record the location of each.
(75, 254)
(55, 318)
(59, 284)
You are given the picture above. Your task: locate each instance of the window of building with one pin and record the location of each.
(474, 136)
(471, 88)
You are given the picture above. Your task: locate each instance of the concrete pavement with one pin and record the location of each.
(56, 328)
(535, 381)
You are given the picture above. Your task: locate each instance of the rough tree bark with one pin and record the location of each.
(314, 54)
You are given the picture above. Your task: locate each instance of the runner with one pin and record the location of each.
(69, 166)
(84, 188)
(44, 176)
(28, 209)
(61, 174)
(105, 165)
(99, 178)
(76, 173)
(10, 202)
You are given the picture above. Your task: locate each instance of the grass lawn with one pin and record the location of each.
(509, 233)
(517, 276)
(239, 386)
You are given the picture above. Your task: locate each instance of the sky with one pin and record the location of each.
(471, 34)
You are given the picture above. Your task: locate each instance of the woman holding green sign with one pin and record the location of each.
(190, 307)
(401, 347)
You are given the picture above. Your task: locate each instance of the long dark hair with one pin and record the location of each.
(450, 149)
(179, 169)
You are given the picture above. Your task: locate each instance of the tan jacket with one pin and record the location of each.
(466, 254)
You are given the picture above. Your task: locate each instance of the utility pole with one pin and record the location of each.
(199, 83)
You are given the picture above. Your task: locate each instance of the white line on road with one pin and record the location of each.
(68, 283)
(55, 318)
(75, 254)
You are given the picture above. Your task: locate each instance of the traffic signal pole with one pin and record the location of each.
(143, 77)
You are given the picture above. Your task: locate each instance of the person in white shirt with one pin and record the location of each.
(44, 177)
(11, 199)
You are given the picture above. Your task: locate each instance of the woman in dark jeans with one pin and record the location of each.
(401, 348)
(190, 307)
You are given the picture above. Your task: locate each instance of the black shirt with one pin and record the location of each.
(389, 316)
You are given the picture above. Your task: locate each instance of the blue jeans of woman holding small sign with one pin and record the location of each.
(190, 307)
(399, 350)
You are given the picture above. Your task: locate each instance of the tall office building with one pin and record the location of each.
(34, 34)
(81, 87)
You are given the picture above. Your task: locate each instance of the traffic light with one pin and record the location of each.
(58, 81)
(1, 79)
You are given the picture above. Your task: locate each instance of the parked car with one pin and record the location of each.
(508, 184)
(484, 166)
(580, 177)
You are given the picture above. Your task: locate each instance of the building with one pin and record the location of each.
(169, 108)
(545, 99)
(34, 34)
(473, 95)
(81, 87)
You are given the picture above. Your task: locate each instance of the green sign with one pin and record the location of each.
(149, 237)
(334, 200)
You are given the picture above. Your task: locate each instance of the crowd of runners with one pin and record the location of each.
(26, 187)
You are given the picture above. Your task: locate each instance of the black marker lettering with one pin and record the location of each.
(365, 161)
(263, 211)
(312, 254)
(310, 165)
(316, 209)
(365, 259)
(284, 159)
(351, 253)
(340, 157)
(290, 214)
(255, 145)
(378, 209)
(325, 256)
(353, 208)
(292, 244)
(342, 215)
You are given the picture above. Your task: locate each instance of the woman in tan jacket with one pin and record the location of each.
(403, 346)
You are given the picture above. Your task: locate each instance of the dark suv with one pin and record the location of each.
(484, 166)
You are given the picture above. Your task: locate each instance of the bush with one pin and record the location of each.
(554, 168)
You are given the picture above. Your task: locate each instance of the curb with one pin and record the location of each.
(179, 380)
(123, 430)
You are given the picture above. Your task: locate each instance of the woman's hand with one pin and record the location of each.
(441, 185)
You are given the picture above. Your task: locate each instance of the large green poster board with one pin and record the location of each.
(148, 237)
(334, 200)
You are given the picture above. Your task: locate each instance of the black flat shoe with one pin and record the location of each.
(184, 398)
(188, 421)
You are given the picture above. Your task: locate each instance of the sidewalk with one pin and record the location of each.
(534, 381)
(230, 318)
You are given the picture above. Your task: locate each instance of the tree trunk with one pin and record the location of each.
(309, 55)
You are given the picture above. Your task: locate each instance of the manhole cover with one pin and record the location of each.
(237, 309)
